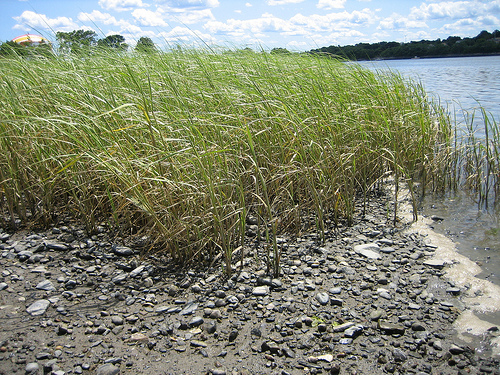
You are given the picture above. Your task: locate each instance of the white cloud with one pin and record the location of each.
(31, 20)
(185, 35)
(335, 21)
(467, 26)
(196, 4)
(186, 16)
(97, 16)
(330, 4)
(121, 5)
(283, 2)
(256, 27)
(149, 18)
(248, 5)
(398, 22)
(454, 10)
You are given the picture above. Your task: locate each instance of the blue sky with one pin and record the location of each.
(299, 25)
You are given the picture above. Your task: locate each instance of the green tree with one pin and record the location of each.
(10, 48)
(282, 51)
(76, 41)
(113, 41)
(145, 45)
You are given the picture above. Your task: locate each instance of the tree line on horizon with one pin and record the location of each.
(76, 42)
(85, 41)
(484, 43)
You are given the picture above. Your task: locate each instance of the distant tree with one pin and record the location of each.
(76, 41)
(145, 45)
(282, 51)
(10, 48)
(484, 35)
(113, 41)
(484, 43)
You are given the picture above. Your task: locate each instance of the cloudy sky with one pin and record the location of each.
(299, 25)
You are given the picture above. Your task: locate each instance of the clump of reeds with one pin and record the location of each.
(477, 166)
(185, 145)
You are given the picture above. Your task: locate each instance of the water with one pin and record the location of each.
(462, 85)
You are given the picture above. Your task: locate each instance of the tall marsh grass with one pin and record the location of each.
(185, 145)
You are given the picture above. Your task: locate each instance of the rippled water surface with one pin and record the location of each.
(460, 84)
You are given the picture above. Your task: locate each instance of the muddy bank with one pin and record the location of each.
(371, 299)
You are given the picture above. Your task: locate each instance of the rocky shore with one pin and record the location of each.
(371, 299)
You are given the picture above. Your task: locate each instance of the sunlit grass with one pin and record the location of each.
(184, 145)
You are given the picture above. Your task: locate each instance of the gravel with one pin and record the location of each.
(369, 299)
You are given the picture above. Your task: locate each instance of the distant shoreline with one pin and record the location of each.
(430, 57)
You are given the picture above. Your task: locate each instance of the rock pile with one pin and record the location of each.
(369, 300)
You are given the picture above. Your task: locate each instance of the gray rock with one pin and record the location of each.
(38, 307)
(107, 369)
(123, 251)
(323, 298)
(190, 308)
(376, 315)
(3, 286)
(137, 271)
(399, 355)
(24, 255)
(353, 331)
(390, 328)
(368, 250)
(120, 278)
(196, 321)
(453, 291)
(260, 290)
(58, 246)
(343, 327)
(435, 263)
(45, 285)
(438, 345)
(335, 290)
(32, 368)
(455, 349)
(117, 320)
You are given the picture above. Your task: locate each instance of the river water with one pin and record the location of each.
(462, 85)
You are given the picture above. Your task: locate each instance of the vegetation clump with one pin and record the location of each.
(186, 145)
(485, 43)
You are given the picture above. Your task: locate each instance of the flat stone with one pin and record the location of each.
(123, 251)
(335, 290)
(32, 368)
(138, 337)
(453, 291)
(120, 278)
(325, 358)
(137, 271)
(260, 290)
(390, 328)
(455, 349)
(198, 344)
(354, 331)
(343, 327)
(196, 321)
(107, 369)
(3, 286)
(38, 307)
(190, 308)
(39, 269)
(368, 250)
(322, 298)
(376, 315)
(117, 320)
(435, 263)
(58, 246)
(46, 285)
